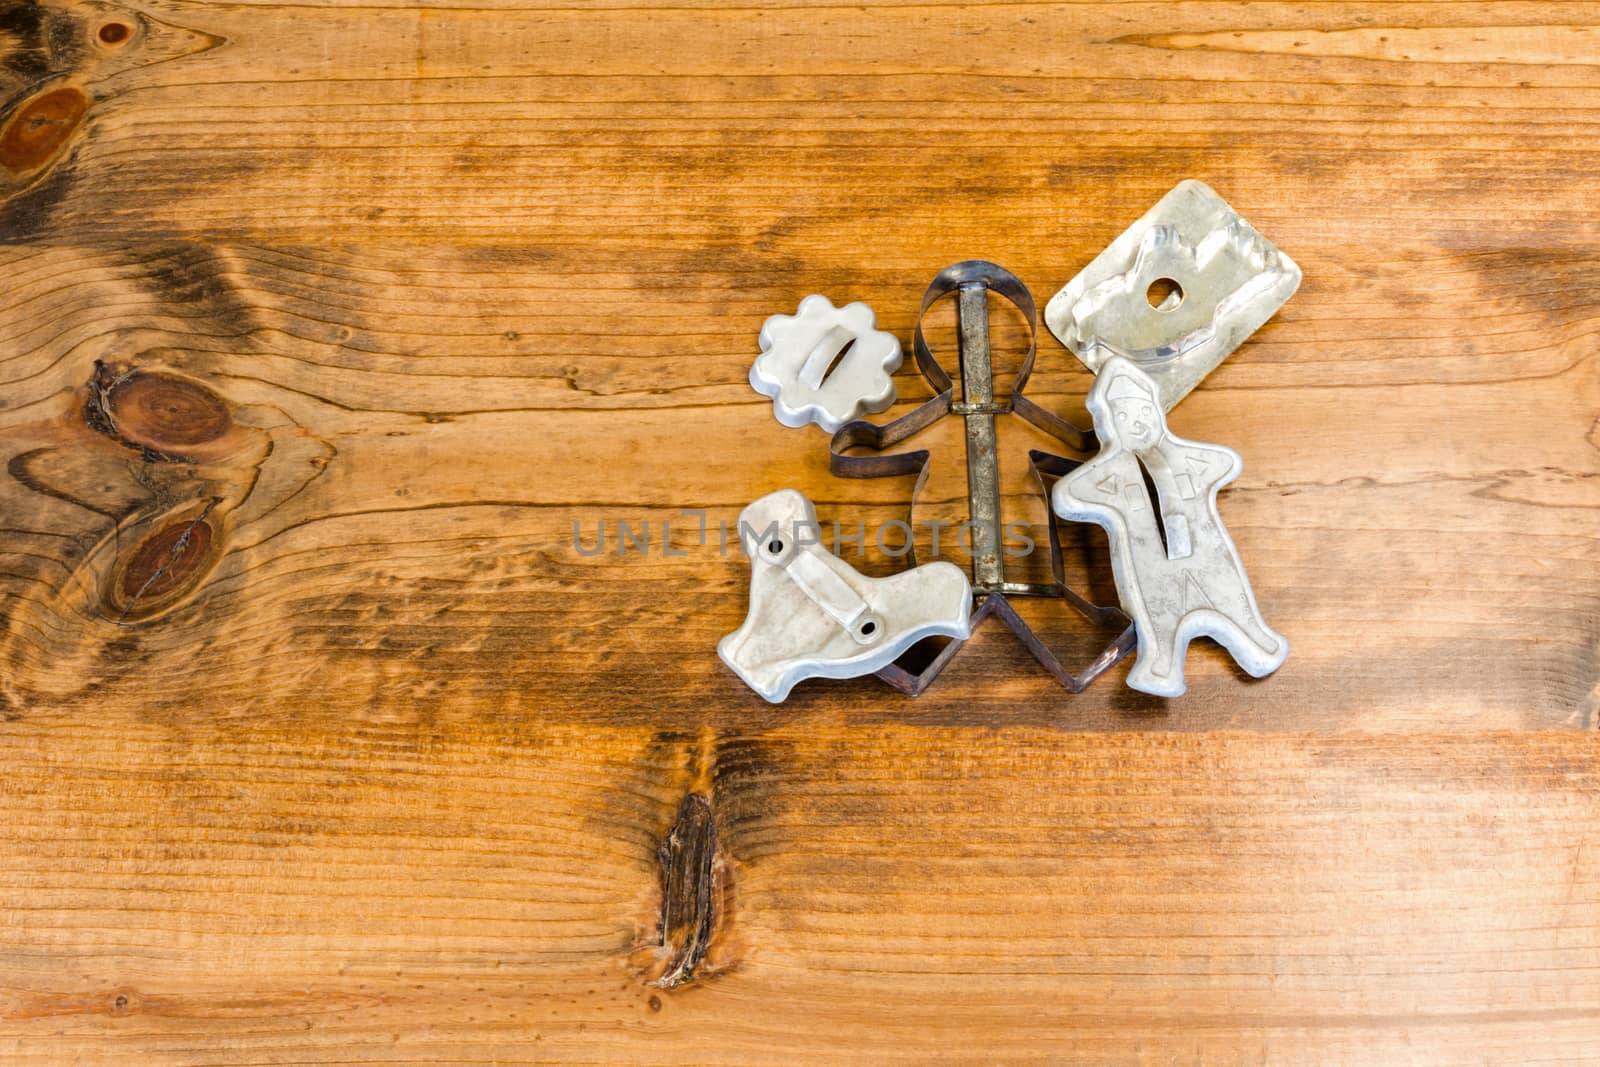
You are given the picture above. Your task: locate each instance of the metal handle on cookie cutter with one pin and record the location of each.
(971, 281)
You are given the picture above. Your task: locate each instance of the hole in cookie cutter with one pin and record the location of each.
(970, 282)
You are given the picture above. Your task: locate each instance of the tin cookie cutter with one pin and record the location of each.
(971, 282)
(1175, 293)
(825, 364)
(1178, 573)
(812, 615)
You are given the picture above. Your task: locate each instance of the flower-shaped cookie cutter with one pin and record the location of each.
(825, 364)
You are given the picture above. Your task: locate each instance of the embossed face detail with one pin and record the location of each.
(1137, 424)
(1136, 420)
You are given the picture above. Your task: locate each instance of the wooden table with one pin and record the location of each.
(323, 324)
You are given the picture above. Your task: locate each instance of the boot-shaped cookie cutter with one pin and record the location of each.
(971, 282)
(812, 615)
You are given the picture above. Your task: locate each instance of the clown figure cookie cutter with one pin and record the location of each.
(1177, 572)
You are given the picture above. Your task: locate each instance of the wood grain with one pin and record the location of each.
(325, 325)
(1444, 516)
(385, 894)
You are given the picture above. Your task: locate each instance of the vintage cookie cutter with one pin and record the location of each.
(971, 282)
(812, 615)
(826, 364)
(1176, 293)
(1178, 573)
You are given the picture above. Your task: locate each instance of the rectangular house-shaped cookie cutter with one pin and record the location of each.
(1176, 293)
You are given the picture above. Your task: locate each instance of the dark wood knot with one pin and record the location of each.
(166, 413)
(165, 567)
(39, 127)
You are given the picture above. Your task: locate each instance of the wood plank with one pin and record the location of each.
(206, 891)
(835, 135)
(414, 445)
(324, 325)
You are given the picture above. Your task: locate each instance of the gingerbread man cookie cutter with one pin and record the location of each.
(970, 282)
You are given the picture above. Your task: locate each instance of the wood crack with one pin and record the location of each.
(688, 890)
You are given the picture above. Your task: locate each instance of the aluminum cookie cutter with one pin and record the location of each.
(971, 282)
(1176, 293)
(826, 364)
(1177, 571)
(812, 615)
